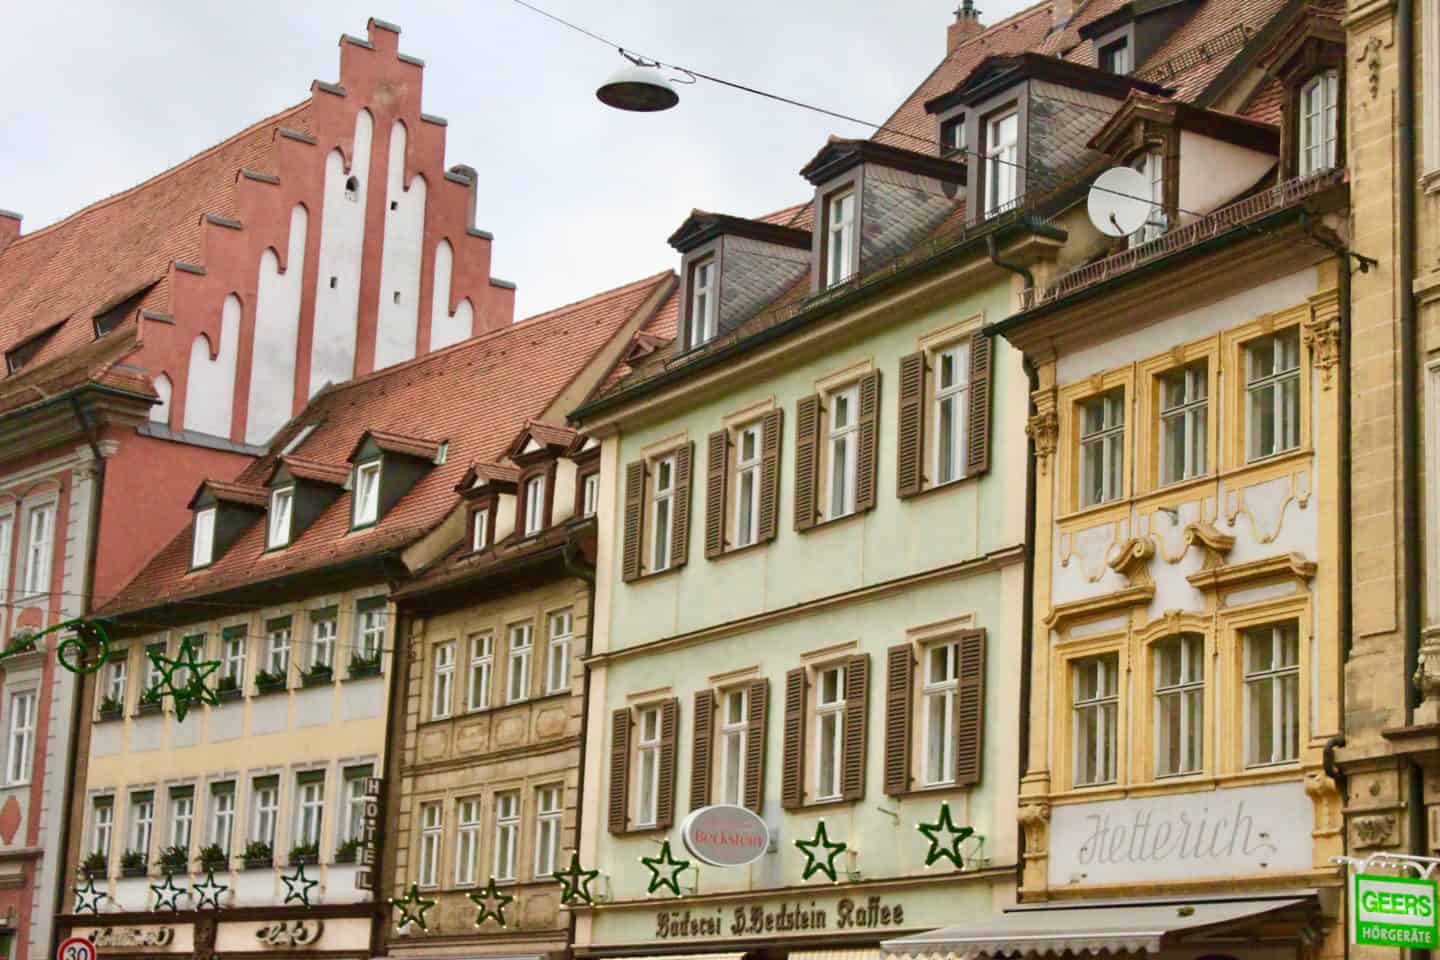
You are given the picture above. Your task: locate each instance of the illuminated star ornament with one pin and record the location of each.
(297, 886)
(820, 854)
(665, 870)
(193, 690)
(86, 647)
(575, 882)
(490, 903)
(167, 894)
(87, 898)
(207, 894)
(412, 907)
(945, 839)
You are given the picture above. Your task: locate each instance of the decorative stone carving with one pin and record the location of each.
(1216, 545)
(1325, 797)
(1044, 430)
(295, 933)
(1375, 830)
(1322, 336)
(1427, 678)
(1132, 561)
(1370, 59)
(1034, 818)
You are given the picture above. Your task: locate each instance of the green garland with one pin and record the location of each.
(817, 861)
(665, 870)
(490, 903)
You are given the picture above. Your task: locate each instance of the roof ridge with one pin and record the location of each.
(189, 161)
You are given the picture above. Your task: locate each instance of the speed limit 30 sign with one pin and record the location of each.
(75, 948)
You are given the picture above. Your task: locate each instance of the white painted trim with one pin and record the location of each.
(1432, 490)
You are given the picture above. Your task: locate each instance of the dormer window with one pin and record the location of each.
(1318, 126)
(953, 139)
(367, 493)
(479, 529)
(839, 237)
(1114, 57)
(1151, 165)
(282, 502)
(702, 302)
(1002, 148)
(589, 493)
(202, 544)
(534, 505)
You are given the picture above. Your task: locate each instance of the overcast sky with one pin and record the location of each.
(102, 95)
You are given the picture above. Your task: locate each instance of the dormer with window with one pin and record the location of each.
(1192, 160)
(1025, 119)
(222, 512)
(488, 490)
(20, 355)
(118, 309)
(549, 476)
(872, 203)
(731, 267)
(1132, 33)
(385, 466)
(1308, 60)
(300, 491)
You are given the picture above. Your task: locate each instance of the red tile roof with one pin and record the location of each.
(245, 494)
(399, 443)
(334, 474)
(99, 362)
(477, 394)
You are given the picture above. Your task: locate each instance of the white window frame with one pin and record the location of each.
(309, 811)
(21, 708)
(182, 819)
(701, 325)
(1187, 695)
(534, 504)
(1002, 182)
(1190, 417)
(153, 676)
(265, 811)
(370, 628)
(520, 650)
(939, 691)
(1283, 749)
(277, 649)
(747, 483)
(842, 447)
(39, 549)
(432, 831)
(549, 814)
(1100, 714)
(830, 724)
(202, 538)
(1318, 124)
(282, 504)
(115, 678)
(480, 530)
(840, 246)
(468, 823)
(662, 512)
(557, 651)
(590, 494)
(102, 824)
(1281, 382)
(1103, 442)
(234, 651)
(7, 535)
(142, 822)
(955, 396)
(442, 689)
(367, 494)
(1123, 44)
(648, 724)
(482, 670)
(324, 633)
(352, 825)
(507, 836)
(1151, 165)
(221, 819)
(734, 735)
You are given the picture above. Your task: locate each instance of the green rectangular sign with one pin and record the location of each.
(1394, 912)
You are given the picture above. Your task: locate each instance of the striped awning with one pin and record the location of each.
(872, 953)
(693, 956)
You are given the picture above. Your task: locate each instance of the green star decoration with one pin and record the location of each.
(945, 839)
(193, 689)
(665, 870)
(413, 908)
(207, 894)
(490, 903)
(297, 886)
(815, 860)
(575, 882)
(87, 898)
(167, 894)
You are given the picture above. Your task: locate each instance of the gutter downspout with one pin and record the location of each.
(1027, 591)
(77, 712)
(587, 574)
(380, 880)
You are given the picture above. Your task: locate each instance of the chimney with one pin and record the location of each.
(9, 227)
(1061, 13)
(967, 24)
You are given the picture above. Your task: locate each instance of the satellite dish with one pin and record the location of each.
(1117, 201)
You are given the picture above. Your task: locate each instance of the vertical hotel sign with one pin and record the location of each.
(369, 833)
(1392, 911)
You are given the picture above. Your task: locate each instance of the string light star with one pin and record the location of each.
(490, 903)
(412, 907)
(575, 882)
(665, 870)
(297, 886)
(817, 861)
(945, 839)
(167, 895)
(207, 894)
(87, 898)
(193, 690)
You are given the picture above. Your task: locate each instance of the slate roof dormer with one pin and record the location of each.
(222, 513)
(313, 486)
(387, 465)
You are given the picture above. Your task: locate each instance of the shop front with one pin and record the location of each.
(334, 932)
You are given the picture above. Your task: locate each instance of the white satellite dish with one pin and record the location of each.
(1117, 201)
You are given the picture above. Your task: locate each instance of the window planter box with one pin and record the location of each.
(269, 683)
(146, 708)
(364, 668)
(111, 713)
(307, 859)
(318, 677)
(259, 863)
(348, 852)
(134, 871)
(228, 693)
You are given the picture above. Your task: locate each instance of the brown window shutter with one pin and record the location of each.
(910, 435)
(970, 709)
(669, 721)
(792, 774)
(769, 474)
(680, 531)
(759, 709)
(978, 454)
(717, 474)
(700, 749)
(619, 771)
(807, 460)
(857, 697)
(866, 455)
(634, 519)
(899, 711)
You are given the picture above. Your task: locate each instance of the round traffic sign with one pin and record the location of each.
(75, 948)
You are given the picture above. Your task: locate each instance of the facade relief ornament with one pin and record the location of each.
(1044, 431)
(1374, 830)
(1034, 818)
(1427, 678)
(1325, 797)
(1322, 336)
(1132, 561)
(1370, 59)
(1215, 545)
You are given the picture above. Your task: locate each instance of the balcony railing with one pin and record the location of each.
(1224, 219)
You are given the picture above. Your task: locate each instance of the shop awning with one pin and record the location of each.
(693, 956)
(1114, 927)
(836, 954)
